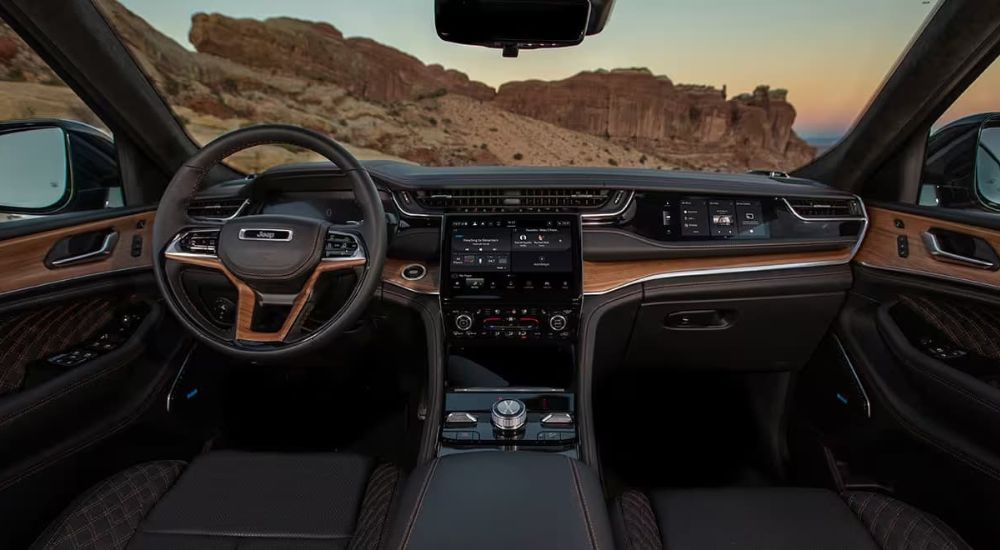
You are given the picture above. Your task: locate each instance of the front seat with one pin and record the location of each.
(228, 499)
(776, 519)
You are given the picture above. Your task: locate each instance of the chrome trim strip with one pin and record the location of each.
(854, 373)
(104, 250)
(942, 255)
(177, 377)
(246, 202)
(603, 215)
(515, 389)
(423, 272)
(243, 234)
(864, 214)
(406, 212)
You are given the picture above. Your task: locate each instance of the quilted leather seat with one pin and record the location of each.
(776, 519)
(233, 500)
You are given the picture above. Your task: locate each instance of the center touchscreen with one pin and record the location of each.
(512, 257)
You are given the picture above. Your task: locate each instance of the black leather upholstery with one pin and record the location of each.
(776, 519)
(107, 516)
(250, 500)
(496, 500)
(899, 526)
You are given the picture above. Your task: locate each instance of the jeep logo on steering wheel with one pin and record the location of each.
(265, 235)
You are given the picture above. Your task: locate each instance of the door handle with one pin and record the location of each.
(64, 254)
(932, 240)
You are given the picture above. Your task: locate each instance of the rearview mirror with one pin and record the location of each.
(519, 24)
(34, 169)
(988, 163)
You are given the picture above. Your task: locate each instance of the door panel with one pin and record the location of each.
(39, 333)
(23, 259)
(888, 229)
(87, 358)
(920, 335)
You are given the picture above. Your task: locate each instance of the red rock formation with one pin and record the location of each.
(319, 51)
(633, 105)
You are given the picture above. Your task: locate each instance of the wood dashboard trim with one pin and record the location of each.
(879, 248)
(603, 277)
(392, 273)
(22, 259)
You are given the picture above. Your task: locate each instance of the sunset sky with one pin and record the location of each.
(831, 55)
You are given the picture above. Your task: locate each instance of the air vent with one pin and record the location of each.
(515, 200)
(216, 209)
(826, 209)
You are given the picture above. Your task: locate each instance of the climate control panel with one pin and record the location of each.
(525, 323)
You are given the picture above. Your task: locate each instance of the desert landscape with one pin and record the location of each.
(384, 103)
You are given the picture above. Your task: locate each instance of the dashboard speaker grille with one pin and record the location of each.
(514, 200)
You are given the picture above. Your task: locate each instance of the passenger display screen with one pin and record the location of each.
(507, 256)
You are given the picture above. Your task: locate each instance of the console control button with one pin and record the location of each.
(509, 415)
(463, 322)
(557, 419)
(557, 322)
(414, 272)
(459, 419)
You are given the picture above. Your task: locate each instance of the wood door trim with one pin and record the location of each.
(879, 248)
(22, 259)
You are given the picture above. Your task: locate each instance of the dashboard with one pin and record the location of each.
(505, 240)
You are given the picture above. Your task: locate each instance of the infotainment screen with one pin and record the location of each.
(534, 257)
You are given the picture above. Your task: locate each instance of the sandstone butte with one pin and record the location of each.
(244, 67)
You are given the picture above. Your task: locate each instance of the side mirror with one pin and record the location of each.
(54, 166)
(35, 174)
(987, 168)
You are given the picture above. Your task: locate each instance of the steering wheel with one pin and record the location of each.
(273, 261)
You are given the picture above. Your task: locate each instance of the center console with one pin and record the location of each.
(511, 291)
(501, 500)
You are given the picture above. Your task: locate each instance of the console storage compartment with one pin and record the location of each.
(501, 500)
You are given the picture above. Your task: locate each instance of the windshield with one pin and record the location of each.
(727, 85)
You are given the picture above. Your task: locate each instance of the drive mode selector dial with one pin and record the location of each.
(557, 322)
(509, 415)
(463, 322)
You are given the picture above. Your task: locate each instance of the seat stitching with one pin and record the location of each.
(892, 525)
(878, 514)
(392, 497)
(583, 502)
(628, 532)
(909, 531)
(420, 500)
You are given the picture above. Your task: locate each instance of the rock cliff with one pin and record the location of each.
(384, 102)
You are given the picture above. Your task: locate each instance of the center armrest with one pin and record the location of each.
(501, 500)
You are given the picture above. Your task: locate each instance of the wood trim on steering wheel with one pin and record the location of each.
(247, 298)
